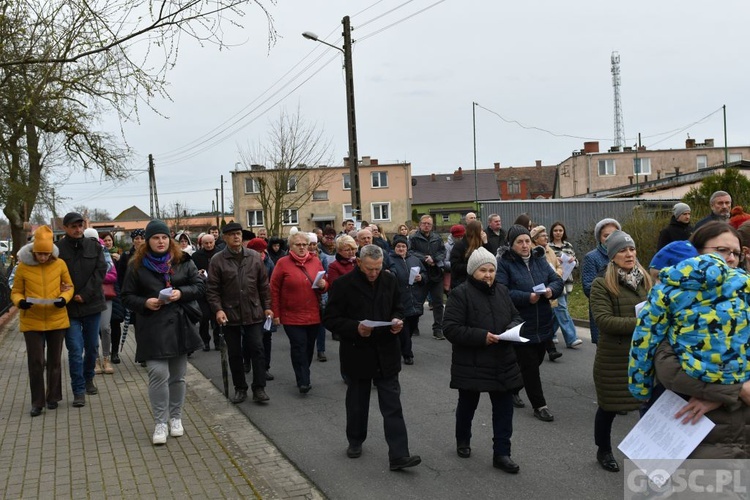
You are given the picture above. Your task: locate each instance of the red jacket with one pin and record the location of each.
(294, 302)
(339, 267)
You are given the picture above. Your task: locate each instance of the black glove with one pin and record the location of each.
(22, 304)
(60, 302)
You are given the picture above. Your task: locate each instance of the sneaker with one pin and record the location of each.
(576, 343)
(175, 427)
(438, 335)
(91, 387)
(554, 339)
(160, 434)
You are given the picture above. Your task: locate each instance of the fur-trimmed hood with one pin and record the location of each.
(26, 254)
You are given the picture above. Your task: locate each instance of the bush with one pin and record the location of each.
(644, 227)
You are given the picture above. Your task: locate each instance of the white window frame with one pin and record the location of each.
(346, 182)
(290, 217)
(610, 162)
(322, 195)
(379, 179)
(446, 217)
(255, 185)
(700, 165)
(641, 166)
(347, 211)
(734, 157)
(514, 186)
(379, 217)
(252, 218)
(291, 182)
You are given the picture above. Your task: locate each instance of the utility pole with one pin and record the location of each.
(54, 211)
(474, 127)
(726, 150)
(222, 196)
(153, 196)
(351, 122)
(218, 224)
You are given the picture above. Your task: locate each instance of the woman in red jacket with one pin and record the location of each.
(346, 258)
(297, 308)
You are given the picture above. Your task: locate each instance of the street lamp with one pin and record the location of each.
(350, 115)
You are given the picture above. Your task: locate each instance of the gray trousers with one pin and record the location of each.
(166, 387)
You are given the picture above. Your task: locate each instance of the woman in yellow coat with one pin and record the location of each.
(41, 289)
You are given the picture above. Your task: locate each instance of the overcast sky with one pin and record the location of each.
(543, 63)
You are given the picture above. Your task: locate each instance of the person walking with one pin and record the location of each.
(462, 249)
(162, 287)
(412, 298)
(594, 263)
(85, 260)
(239, 296)
(561, 245)
(370, 355)
(428, 247)
(104, 362)
(295, 299)
(477, 312)
(202, 257)
(532, 284)
(40, 274)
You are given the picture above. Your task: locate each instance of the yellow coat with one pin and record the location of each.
(41, 281)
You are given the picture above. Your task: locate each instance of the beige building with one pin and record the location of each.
(588, 172)
(385, 191)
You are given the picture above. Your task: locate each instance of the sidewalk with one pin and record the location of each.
(104, 449)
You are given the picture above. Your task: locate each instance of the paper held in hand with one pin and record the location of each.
(268, 324)
(374, 324)
(568, 264)
(33, 300)
(540, 288)
(513, 334)
(317, 279)
(165, 294)
(413, 273)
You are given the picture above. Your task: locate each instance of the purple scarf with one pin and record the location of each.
(161, 264)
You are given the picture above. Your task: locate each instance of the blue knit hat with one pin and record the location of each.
(672, 254)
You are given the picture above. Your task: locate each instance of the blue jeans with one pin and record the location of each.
(82, 342)
(321, 340)
(564, 321)
(302, 346)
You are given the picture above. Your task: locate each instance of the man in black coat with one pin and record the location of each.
(428, 247)
(370, 355)
(495, 233)
(202, 257)
(679, 227)
(85, 260)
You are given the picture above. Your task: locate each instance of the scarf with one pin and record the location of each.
(630, 279)
(160, 264)
(300, 261)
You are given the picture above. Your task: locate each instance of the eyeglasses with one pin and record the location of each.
(726, 251)
(299, 244)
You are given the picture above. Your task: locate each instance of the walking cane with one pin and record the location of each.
(224, 362)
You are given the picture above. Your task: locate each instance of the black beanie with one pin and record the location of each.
(515, 231)
(155, 227)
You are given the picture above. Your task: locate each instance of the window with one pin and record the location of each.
(606, 167)
(320, 195)
(701, 161)
(379, 179)
(514, 187)
(733, 157)
(291, 185)
(289, 217)
(381, 211)
(348, 211)
(642, 166)
(252, 185)
(255, 218)
(446, 217)
(347, 182)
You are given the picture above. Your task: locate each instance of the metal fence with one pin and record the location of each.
(578, 215)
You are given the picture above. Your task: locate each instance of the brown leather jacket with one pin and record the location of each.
(238, 285)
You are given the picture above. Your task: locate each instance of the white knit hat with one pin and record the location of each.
(478, 258)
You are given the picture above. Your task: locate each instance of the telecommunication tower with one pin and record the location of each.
(619, 122)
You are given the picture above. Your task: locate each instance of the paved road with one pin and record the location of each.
(557, 459)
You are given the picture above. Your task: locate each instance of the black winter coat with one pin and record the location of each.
(520, 280)
(474, 309)
(168, 332)
(352, 299)
(85, 260)
(495, 241)
(675, 231)
(412, 296)
(420, 246)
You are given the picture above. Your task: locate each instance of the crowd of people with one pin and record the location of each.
(239, 289)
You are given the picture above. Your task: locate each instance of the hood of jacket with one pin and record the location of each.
(26, 254)
(705, 272)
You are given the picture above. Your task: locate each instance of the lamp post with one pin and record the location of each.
(350, 115)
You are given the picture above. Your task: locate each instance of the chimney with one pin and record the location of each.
(709, 143)
(432, 177)
(591, 147)
(373, 161)
(458, 174)
(365, 161)
(497, 166)
(689, 143)
(539, 163)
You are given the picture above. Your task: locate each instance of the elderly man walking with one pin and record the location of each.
(370, 355)
(428, 247)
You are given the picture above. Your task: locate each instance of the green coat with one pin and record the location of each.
(615, 317)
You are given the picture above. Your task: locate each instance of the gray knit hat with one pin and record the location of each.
(155, 227)
(515, 231)
(600, 225)
(478, 258)
(679, 209)
(616, 242)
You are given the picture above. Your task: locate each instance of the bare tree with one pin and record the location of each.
(288, 165)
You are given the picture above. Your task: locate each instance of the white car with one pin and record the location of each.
(4, 247)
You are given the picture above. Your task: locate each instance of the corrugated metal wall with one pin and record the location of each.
(578, 215)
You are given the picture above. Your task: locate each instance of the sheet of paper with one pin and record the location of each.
(33, 300)
(165, 294)
(374, 324)
(413, 273)
(513, 334)
(268, 324)
(659, 442)
(317, 279)
(568, 264)
(540, 288)
(639, 306)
